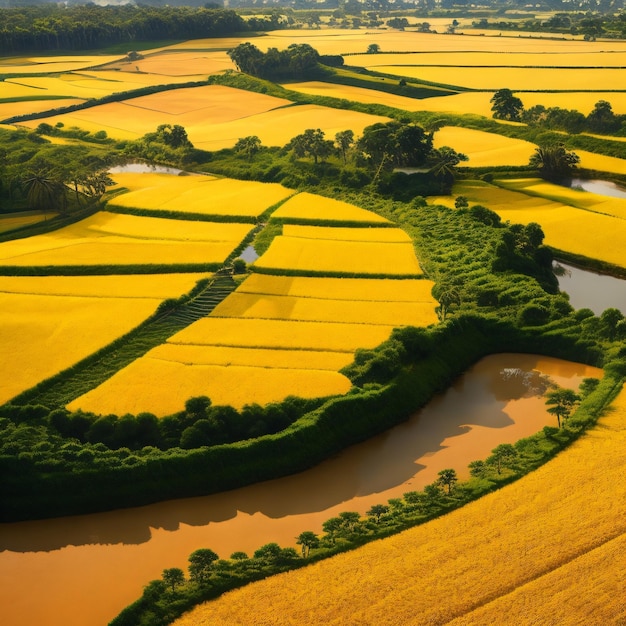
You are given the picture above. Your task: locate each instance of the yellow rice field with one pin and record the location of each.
(364, 289)
(180, 63)
(82, 315)
(537, 559)
(516, 78)
(252, 357)
(23, 107)
(564, 195)
(575, 59)
(600, 162)
(282, 334)
(113, 239)
(262, 306)
(277, 127)
(604, 236)
(204, 195)
(349, 257)
(339, 41)
(52, 64)
(383, 235)
(485, 149)
(171, 383)
(308, 206)
(11, 222)
(198, 109)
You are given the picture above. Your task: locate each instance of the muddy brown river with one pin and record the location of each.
(81, 571)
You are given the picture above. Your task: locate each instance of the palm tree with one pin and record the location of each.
(554, 162)
(445, 161)
(44, 191)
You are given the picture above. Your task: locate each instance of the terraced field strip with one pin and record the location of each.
(108, 240)
(198, 195)
(485, 149)
(82, 315)
(550, 550)
(99, 367)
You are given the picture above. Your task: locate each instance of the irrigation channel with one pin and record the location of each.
(81, 571)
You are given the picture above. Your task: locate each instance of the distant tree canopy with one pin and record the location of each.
(506, 106)
(299, 60)
(52, 27)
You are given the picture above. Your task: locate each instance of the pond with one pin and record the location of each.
(589, 290)
(144, 168)
(81, 571)
(600, 187)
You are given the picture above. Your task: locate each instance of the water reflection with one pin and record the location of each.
(144, 168)
(589, 290)
(105, 559)
(600, 187)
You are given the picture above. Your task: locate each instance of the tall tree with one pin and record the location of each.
(561, 402)
(307, 540)
(447, 478)
(174, 577)
(201, 564)
(248, 146)
(506, 106)
(343, 140)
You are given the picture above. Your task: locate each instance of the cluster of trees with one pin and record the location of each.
(607, 23)
(298, 60)
(53, 27)
(38, 175)
(601, 120)
(373, 157)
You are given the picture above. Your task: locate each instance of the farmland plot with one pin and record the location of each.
(314, 208)
(112, 239)
(205, 195)
(485, 149)
(82, 315)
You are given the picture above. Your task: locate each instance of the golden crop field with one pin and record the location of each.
(358, 94)
(350, 257)
(133, 286)
(564, 195)
(11, 222)
(283, 334)
(339, 41)
(516, 78)
(384, 235)
(205, 195)
(485, 149)
(23, 107)
(600, 162)
(114, 239)
(82, 315)
(180, 63)
(364, 289)
(604, 236)
(308, 206)
(252, 357)
(162, 387)
(262, 306)
(52, 64)
(534, 534)
(458, 59)
(279, 126)
(198, 109)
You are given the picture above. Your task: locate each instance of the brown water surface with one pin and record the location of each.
(81, 571)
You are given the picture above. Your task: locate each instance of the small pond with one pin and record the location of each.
(600, 187)
(144, 168)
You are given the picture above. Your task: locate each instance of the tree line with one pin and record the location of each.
(52, 27)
